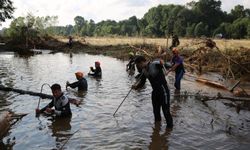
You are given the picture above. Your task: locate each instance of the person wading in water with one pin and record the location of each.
(160, 94)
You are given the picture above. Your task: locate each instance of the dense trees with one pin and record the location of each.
(6, 10)
(28, 29)
(195, 19)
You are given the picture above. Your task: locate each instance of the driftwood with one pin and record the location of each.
(7, 119)
(205, 98)
(8, 89)
(211, 83)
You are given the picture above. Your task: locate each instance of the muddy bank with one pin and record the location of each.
(201, 55)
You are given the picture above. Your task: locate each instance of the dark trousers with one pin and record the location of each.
(161, 99)
(178, 77)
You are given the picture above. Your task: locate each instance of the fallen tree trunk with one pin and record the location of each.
(8, 89)
(211, 83)
(7, 120)
(234, 99)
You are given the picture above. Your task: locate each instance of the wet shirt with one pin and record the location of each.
(97, 72)
(155, 75)
(81, 84)
(178, 60)
(61, 104)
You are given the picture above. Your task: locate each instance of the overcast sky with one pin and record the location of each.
(98, 10)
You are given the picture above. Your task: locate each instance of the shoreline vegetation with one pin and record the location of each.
(230, 58)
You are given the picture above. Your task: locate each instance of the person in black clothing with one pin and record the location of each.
(81, 84)
(97, 72)
(60, 102)
(130, 67)
(160, 95)
(175, 41)
(70, 43)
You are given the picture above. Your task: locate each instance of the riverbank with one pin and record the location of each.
(230, 58)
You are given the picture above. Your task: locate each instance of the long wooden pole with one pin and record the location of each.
(8, 89)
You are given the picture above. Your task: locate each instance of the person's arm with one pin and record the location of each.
(50, 105)
(176, 64)
(140, 83)
(172, 68)
(92, 69)
(74, 101)
(73, 85)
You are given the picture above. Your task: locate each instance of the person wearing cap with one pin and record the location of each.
(97, 72)
(178, 67)
(81, 84)
(153, 71)
(59, 101)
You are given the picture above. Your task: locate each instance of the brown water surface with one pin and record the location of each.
(196, 126)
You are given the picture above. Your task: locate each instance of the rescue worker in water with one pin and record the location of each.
(153, 71)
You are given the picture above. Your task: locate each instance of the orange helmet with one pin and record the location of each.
(79, 74)
(97, 63)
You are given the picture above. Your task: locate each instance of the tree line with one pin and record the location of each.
(195, 19)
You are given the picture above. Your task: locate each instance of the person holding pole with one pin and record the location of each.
(153, 71)
(60, 102)
(178, 67)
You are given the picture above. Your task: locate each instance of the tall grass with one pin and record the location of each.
(184, 42)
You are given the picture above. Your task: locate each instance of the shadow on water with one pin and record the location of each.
(196, 126)
(159, 140)
(60, 128)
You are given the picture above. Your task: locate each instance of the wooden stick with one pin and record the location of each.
(8, 89)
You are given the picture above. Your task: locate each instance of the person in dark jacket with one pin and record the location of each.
(81, 84)
(97, 72)
(153, 71)
(178, 67)
(60, 102)
(130, 67)
(175, 41)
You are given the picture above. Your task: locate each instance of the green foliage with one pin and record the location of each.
(201, 29)
(6, 10)
(195, 19)
(30, 28)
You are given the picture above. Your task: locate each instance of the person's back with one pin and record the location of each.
(81, 82)
(155, 75)
(83, 85)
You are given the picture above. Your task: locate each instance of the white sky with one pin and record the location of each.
(98, 10)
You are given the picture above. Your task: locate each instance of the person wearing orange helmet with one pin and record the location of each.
(97, 72)
(81, 84)
(178, 67)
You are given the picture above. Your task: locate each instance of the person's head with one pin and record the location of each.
(97, 64)
(131, 54)
(140, 62)
(56, 90)
(175, 51)
(79, 75)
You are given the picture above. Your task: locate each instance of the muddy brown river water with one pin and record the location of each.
(92, 126)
